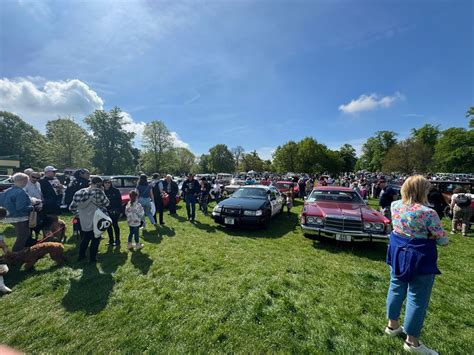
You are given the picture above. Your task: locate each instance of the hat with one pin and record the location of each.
(96, 180)
(50, 168)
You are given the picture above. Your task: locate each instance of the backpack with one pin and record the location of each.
(462, 200)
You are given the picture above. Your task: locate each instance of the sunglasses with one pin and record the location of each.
(35, 177)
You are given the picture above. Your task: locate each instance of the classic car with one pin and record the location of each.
(284, 186)
(252, 205)
(340, 213)
(6, 184)
(447, 188)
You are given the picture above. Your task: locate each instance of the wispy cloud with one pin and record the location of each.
(413, 115)
(266, 153)
(178, 142)
(193, 99)
(370, 103)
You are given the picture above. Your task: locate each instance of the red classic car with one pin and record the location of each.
(340, 213)
(284, 186)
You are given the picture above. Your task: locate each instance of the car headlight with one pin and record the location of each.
(250, 213)
(258, 212)
(367, 225)
(379, 227)
(314, 220)
(217, 209)
(310, 220)
(319, 220)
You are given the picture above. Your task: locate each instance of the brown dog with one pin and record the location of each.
(54, 230)
(29, 256)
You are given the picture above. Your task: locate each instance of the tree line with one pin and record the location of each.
(106, 147)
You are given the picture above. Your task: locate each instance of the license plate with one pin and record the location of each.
(344, 237)
(229, 221)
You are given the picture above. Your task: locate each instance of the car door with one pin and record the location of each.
(273, 202)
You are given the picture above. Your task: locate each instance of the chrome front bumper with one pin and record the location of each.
(355, 237)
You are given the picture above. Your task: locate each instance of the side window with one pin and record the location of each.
(117, 182)
(130, 182)
(272, 196)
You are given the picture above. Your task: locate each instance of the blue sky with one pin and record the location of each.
(249, 73)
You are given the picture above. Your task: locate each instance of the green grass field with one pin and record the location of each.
(205, 288)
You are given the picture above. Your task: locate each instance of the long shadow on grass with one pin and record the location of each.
(152, 237)
(141, 261)
(372, 251)
(279, 226)
(90, 294)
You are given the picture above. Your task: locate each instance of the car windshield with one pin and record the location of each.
(334, 195)
(250, 193)
(283, 185)
(450, 187)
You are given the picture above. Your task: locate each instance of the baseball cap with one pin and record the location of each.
(50, 168)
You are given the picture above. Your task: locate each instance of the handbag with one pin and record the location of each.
(33, 219)
(101, 222)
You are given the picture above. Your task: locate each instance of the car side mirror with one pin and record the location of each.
(305, 198)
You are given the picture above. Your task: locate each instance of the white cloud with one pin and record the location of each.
(131, 126)
(177, 142)
(370, 103)
(34, 98)
(266, 153)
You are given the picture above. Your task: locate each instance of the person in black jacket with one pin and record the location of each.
(52, 191)
(191, 189)
(158, 196)
(436, 201)
(114, 210)
(80, 181)
(172, 189)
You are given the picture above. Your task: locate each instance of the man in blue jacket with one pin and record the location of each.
(18, 204)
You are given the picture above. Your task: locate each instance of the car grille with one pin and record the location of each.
(232, 211)
(343, 224)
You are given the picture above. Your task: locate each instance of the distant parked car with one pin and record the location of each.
(340, 213)
(447, 188)
(249, 205)
(6, 183)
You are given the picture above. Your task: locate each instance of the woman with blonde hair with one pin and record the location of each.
(412, 256)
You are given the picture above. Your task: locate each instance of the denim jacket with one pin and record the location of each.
(409, 257)
(17, 202)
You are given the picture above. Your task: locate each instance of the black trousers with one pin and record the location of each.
(86, 238)
(172, 204)
(114, 228)
(159, 210)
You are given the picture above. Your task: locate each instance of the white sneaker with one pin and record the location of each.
(420, 349)
(3, 287)
(129, 246)
(139, 246)
(453, 232)
(394, 332)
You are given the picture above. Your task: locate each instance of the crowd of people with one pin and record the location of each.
(412, 245)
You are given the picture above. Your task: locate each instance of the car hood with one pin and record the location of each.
(246, 203)
(324, 209)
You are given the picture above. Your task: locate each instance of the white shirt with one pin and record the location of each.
(33, 190)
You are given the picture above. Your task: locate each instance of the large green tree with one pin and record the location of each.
(184, 160)
(238, 153)
(348, 156)
(285, 157)
(408, 156)
(251, 161)
(203, 165)
(113, 152)
(428, 134)
(156, 142)
(375, 148)
(221, 159)
(19, 138)
(69, 144)
(454, 151)
(470, 114)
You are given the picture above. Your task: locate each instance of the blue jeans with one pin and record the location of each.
(191, 206)
(133, 233)
(146, 204)
(417, 292)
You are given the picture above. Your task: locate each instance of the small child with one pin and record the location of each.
(135, 213)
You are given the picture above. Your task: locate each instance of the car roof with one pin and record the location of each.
(256, 186)
(333, 188)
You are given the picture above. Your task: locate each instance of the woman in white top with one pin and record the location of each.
(461, 209)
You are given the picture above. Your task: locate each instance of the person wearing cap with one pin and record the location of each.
(51, 189)
(191, 189)
(33, 187)
(157, 188)
(80, 181)
(84, 203)
(114, 210)
(387, 196)
(171, 188)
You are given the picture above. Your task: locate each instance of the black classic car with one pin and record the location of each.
(250, 205)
